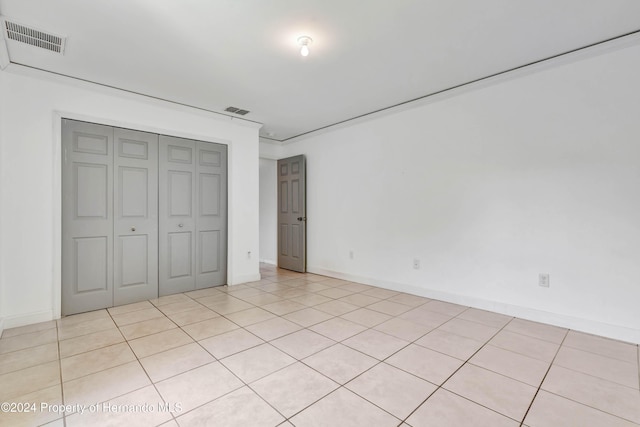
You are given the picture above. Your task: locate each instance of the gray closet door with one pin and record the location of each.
(211, 215)
(87, 221)
(292, 230)
(177, 217)
(135, 216)
(142, 215)
(193, 215)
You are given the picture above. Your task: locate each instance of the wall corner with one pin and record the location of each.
(4, 53)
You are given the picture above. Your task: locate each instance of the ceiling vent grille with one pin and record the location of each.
(34, 37)
(237, 111)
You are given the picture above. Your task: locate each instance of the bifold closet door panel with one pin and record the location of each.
(177, 192)
(211, 211)
(135, 202)
(87, 220)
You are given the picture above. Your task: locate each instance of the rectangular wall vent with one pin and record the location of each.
(33, 37)
(237, 111)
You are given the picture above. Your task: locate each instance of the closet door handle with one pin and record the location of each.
(181, 225)
(133, 229)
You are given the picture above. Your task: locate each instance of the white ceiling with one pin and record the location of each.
(367, 55)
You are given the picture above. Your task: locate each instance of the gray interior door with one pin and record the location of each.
(87, 220)
(177, 218)
(211, 215)
(135, 216)
(292, 214)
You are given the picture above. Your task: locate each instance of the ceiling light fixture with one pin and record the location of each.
(304, 43)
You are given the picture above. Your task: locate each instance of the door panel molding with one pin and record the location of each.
(90, 254)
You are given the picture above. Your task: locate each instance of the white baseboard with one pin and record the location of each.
(617, 332)
(1, 326)
(246, 278)
(26, 319)
(268, 261)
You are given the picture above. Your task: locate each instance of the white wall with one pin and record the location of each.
(268, 211)
(489, 188)
(270, 150)
(31, 104)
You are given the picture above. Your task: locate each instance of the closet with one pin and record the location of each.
(143, 215)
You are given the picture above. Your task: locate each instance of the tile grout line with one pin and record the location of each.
(439, 386)
(222, 364)
(30, 346)
(198, 342)
(286, 419)
(64, 414)
(272, 345)
(379, 361)
(543, 378)
(583, 373)
(399, 350)
(599, 378)
(342, 386)
(599, 354)
(245, 384)
(143, 369)
(302, 362)
(86, 375)
(591, 407)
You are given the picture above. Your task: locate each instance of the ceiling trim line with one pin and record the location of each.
(268, 140)
(132, 92)
(593, 49)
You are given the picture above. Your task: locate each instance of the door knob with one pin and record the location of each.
(133, 229)
(302, 218)
(181, 225)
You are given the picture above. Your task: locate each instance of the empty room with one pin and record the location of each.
(308, 213)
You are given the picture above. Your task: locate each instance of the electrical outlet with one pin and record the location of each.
(416, 264)
(543, 280)
(351, 254)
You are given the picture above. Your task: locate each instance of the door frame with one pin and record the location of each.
(56, 202)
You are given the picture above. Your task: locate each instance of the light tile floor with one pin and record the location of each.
(307, 350)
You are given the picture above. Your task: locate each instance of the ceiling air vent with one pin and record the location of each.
(237, 111)
(34, 37)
